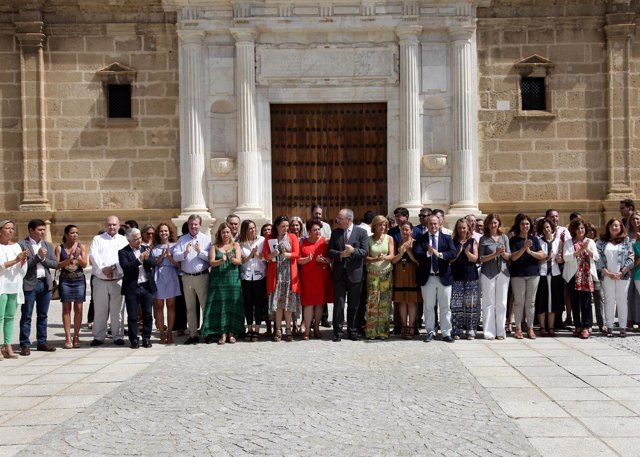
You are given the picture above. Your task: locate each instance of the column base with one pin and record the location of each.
(461, 210)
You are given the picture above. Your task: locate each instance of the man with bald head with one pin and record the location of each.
(107, 283)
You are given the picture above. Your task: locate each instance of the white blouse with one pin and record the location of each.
(11, 278)
(254, 269)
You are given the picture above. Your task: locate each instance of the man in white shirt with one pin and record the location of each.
(233, 221)
(107, 283)
(443, 229)
(316, 213)
(471, 219)
(192, 251)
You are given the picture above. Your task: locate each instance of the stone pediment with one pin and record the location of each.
(534, 65)
(117, 73)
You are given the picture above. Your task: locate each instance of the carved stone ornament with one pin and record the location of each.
(433, 163)
(221, 167)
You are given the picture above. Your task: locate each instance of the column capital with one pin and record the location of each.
(244, 35)
(30, 34)
(409, 32)
(191, 37)
(461, 33)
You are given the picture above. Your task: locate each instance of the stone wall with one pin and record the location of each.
(530, 161)
(94, 165)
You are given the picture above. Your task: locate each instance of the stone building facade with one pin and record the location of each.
(205, 75)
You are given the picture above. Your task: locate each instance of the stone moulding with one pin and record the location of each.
(221, 167)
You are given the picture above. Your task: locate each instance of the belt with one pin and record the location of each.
(433, 274)
(112, 279)
(196, 274)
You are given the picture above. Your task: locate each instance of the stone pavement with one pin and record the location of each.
(549, 397)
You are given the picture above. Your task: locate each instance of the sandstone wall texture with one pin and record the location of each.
(561, 158)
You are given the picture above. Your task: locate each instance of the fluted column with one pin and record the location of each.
(249, 185)
(464, 159)
(619, 30)
(410, 127)
(29, 32)
(192, 121)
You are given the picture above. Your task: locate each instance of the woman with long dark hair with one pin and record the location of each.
(465, 291)
(283, 288)
(525, 273)
(550, 293)
(167, 280)
(72, 259)
(253, 278)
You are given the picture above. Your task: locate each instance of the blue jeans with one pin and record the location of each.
(40, 296)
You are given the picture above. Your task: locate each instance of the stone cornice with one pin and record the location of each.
(541, 23)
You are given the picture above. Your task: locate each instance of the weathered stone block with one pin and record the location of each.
(506, 192)
(505, 161)
(536, 192)
(94, 138)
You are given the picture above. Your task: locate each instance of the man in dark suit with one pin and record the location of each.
(37, 285)
(348, 247)
(434, 250)
(138, 286)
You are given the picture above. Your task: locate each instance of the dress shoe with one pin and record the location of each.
(46, 348)
(25, 351)
(337, 338)
(95, 343)
(448, 339)
(208, 339)
(192, 340)
(428, 338)
(353, 337)
(135, 344)
(146, 343)
(119, 342)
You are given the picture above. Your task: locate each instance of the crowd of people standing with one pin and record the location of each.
(537, 273)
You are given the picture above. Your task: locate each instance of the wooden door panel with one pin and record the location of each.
(331, 154)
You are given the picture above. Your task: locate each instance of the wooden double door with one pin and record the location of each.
(331, 154)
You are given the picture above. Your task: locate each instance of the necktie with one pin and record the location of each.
(434, 258)
(549, 248)
(346, 236)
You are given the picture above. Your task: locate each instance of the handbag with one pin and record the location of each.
(55, 293)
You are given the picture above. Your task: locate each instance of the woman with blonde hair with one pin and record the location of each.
(13, 267)
(379, 269)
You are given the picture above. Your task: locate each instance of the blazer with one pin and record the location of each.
(571, 263)
(130, 269)
(354, 264)
(271, 266)
(31, 278)
(421, 253)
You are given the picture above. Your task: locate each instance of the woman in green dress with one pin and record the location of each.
(379, 271)
(224, 312)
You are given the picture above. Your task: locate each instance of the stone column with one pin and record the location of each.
(410, 127)
(192, 124)
(29, 32)
(619, 30)
(249, 182)
(464, 157)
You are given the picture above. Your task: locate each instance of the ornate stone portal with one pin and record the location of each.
(239, 57)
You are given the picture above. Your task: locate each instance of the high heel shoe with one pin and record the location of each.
(316, 332)
(289, 336)
(6, 353)
(277, 335)
(223, 339)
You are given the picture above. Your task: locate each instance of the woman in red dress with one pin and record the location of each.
(315, 277)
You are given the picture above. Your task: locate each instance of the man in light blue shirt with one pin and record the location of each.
(192, 251)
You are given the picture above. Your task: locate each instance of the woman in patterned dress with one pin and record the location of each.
(224, 312)
(379, 275)
(406, 293)
(580, 255)
(283, 287)
(465, 291)
(167, 280)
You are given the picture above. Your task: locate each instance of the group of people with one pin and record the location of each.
(287, 272)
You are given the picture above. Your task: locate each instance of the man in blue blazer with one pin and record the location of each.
(434, 250)
(348, 247)
(138, 286)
